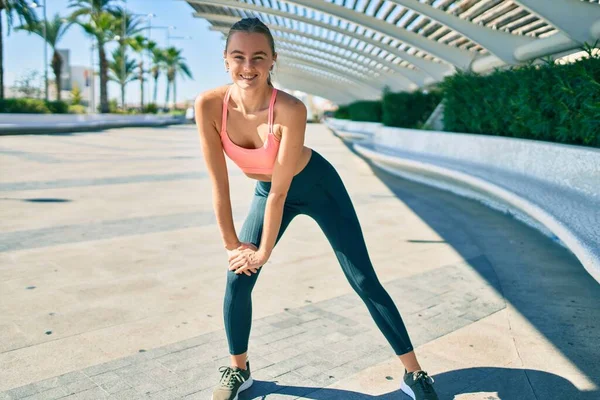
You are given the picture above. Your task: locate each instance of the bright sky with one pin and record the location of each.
(204, 53)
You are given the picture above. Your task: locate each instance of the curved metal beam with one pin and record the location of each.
(371, 82)
(452, 55)
(574, 18)
(312, 86)
(322, 83)
(308, 87)
(347, 85)
(410, 75)
(368, 77)
(500, 43)
(436, 70)
(353, 83)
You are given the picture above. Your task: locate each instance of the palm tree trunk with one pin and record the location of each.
(141, 86)
(103, 78)
(1, 58)
(123, 96)
(57, 68)
(175, 93)
(167, 99)
(155, 88)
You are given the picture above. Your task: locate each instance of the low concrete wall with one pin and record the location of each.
(11, 124)
(558, 186)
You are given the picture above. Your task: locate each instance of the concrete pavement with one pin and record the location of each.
(112, 276)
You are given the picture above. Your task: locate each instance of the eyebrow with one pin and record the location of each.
(241, 52)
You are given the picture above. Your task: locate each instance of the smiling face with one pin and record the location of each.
(249, 58)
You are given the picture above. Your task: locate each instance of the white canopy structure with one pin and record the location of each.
(345, 50)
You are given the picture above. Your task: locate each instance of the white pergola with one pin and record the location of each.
(345, 50)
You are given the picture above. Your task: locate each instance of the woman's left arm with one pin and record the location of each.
(293, 126)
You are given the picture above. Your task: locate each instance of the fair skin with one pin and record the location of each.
(249, 58)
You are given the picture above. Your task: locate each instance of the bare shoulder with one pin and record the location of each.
(289, 109)
(210, 100)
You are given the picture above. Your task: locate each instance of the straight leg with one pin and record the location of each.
(332, 209)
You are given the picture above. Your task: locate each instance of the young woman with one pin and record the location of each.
(262, 131)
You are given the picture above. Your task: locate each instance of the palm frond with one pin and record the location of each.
(22, 10)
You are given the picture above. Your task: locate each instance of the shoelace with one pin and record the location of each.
(424, 380)
(229, 376)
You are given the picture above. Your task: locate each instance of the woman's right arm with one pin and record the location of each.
(214, 158)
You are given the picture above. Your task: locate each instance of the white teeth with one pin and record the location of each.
(248, 77)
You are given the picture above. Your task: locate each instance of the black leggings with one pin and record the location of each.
(317, 191)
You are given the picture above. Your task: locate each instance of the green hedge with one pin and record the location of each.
(343, 112)
(409, 110)
(58, 107)
(550, 102)
(33, 106)
(365, 111)
(406, 110)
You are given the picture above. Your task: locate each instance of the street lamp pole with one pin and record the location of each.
(167, 28)
(46, 54)
(149, 17)
(35, 4)
(123, 38)
(92, 98)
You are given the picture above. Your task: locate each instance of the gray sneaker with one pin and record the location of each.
(418, 385)
(233, 382)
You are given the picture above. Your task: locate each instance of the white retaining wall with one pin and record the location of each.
(555, 185)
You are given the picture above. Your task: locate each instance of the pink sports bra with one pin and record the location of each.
(255, 161)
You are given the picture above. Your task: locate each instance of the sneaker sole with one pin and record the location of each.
(406, 389)
(244, 386)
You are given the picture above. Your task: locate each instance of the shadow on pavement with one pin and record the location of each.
(473, 383)
(543, 281)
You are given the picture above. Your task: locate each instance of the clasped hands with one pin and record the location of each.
(245, 259)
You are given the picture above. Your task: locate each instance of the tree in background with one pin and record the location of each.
(23, 11)
(30, 84)
(139, 44)
(76, 95)
(55, 30)
(158, 65)
(121, 70)
(127, 27)
(96, 17)
(175, 65)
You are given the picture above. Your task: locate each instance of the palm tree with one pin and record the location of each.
(175, 65)
(55, 30)
(158, 60)
(139, 44)
(96, 17)
(128, 26)
(121, 70)
(23, 11)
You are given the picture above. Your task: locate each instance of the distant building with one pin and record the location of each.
(65, 78)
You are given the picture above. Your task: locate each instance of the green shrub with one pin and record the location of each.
(150, 108)
(343, 112)
(550, 102)
(76, 95)
(24, 105)
(177, 113)
(58, 107)
(77, 109)
(409, 110)
(365, 111)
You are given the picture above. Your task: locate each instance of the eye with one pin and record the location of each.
(239, 57)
